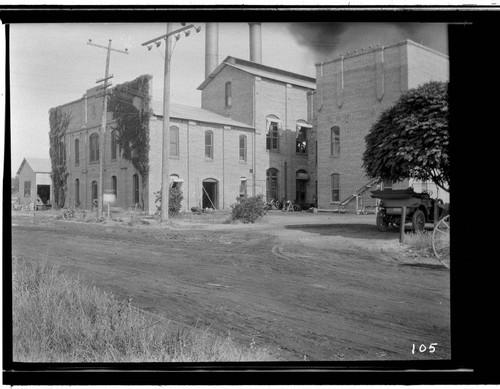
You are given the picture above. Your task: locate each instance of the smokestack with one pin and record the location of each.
(211, 47)
(255, 42)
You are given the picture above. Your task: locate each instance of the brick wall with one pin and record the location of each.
(193, 168)
(351, 93)
(86, 119)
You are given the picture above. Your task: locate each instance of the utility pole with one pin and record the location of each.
(165, 160)
(102, 143)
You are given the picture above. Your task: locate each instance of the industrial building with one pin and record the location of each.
(259, 130)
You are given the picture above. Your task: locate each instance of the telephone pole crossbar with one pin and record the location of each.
(104, 94)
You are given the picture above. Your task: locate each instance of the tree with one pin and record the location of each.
(411, 139)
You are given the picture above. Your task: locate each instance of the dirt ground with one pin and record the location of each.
(306, 286)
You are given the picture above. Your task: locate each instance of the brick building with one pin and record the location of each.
(352, 91)
(259, 130)
(249, 137)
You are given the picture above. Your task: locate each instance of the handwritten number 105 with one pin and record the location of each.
(423, 348)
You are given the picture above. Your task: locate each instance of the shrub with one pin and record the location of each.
(249, 209)
(174, 201)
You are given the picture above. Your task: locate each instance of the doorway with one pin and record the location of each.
(301, 186)
(210, 193)
(43, 191)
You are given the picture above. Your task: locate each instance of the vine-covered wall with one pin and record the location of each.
(130, 105)
(59, 122)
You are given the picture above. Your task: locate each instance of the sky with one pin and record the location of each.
(52, 64)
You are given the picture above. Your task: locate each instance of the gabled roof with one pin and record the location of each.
(180, 111)
(38, 165)
(262, 71)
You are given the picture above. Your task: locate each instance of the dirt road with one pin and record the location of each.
(321, 287)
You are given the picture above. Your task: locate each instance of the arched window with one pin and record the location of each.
(77, 192)
(174, 141)
(273, 127)
(228, 93)
(77, 152)
(94, 147)
(243, 148)
(335, 141)
(335, 183)
(62, 153)
(272, 184)
(136, 188)
(209, 144)
(114, 144)
(114, 185)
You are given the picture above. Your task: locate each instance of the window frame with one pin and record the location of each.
(27, 189)
(136, 189)
(272, 136)
(94, 147)
(335, 141)
(243, 150)
(77, 191)
(114, 146)
(209, 147)
(175, 145)
(77, 152)
(298, 140)
(228, 94)
(335, 178)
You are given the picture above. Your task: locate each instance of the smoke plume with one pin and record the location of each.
(328, 40)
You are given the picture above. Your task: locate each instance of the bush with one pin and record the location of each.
(249, 209)
(174, 202)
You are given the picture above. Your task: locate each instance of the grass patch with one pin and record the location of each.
(57, 318)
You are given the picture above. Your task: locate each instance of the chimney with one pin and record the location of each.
(211, 47)
(255, 42)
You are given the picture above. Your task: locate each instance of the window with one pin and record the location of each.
(335, 141)
(301, 141)
(335, 187)
(62, 153)
(77, 152)
(114, 144)
(77, 192)
(272, 184)
(174, 141)
(272, 141)
(114, 185)
(27, 188)
(94, 147)
(136, 188)
(228, 93)
(243, 187)
(209, 144)
(243, 148)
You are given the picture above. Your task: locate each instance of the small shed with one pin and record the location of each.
(35, 181)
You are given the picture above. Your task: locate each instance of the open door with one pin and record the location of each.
(210, 193)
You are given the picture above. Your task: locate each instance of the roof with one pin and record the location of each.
(38, 165)
(180, 111)
(262, 71)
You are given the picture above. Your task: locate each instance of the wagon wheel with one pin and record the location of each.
(418, 220)
(441, 241)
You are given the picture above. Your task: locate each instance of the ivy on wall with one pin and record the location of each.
(130, 104)
(59, 122)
